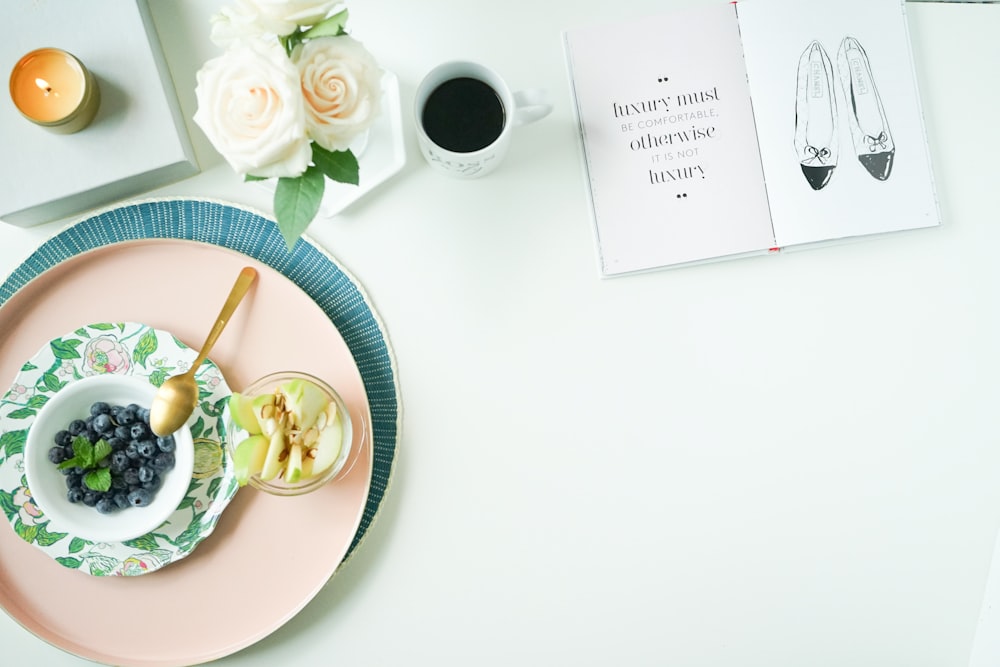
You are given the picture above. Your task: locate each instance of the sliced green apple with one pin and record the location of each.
(241, 409)
(272, 459)
(248, 458)
(293, 467)
(329, 443)
(257, 406)
(304, 400)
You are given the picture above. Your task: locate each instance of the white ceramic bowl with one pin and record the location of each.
(47, 483)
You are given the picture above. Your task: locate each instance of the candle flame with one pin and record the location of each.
(44, 85)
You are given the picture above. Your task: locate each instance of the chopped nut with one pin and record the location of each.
(312, 453)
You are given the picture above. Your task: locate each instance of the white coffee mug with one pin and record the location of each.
(519, 108)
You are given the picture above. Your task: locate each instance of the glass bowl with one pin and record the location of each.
(278, 485)
(48, 485)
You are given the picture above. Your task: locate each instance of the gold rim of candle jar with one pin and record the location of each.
(78, 118)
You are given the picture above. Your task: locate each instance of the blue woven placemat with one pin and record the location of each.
(247, 232)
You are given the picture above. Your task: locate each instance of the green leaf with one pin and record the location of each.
(7, 504)
(197, 427)
(101, 450)
(51, 382)
(98, 479)
(146, 346)
(158, 377)
(145, 543)
(339, 166)
(65, 561)
(22, 413)
(28, 366)
(74, 462)
(26, 532)
(47, 539)
(37, 401)
(77, 544)
(103, 326)
(296, 203)
(329, 27)
(12, 442)
(65, 349)
(83, 450)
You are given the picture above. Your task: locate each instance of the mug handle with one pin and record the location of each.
(531, 105)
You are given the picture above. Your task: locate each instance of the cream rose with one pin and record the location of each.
(250, 107)
(277, 17)
(235, 22)
(342, 88)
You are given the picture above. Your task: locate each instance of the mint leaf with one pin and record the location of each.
(330, 27)
(339, 166)
(296, 203)
(83, 451)
(101, 451)
(85, 454)
(98, 479)
(69, 463)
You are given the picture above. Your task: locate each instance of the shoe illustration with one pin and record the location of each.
(869, 128)
(816, 116)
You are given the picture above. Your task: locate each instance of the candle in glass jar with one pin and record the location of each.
(52, 88)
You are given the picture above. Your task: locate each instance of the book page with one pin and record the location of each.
(838, 117)
(668, 133)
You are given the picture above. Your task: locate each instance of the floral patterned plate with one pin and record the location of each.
(126, 348)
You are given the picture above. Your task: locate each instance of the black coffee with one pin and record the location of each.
(463, 115)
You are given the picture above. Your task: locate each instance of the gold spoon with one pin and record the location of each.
(176, 398)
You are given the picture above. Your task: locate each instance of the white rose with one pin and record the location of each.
(235, 22)
(250, 107)
(342, 87)
(282, 17)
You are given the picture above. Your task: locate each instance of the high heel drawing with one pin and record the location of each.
(869, 128)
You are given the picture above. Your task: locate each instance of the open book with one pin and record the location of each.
(744, 128)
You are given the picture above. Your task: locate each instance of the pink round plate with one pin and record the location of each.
(218, 599)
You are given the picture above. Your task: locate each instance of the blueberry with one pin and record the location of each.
(93, 435)
(163, 461)
(56, 455)
(90, 497)
(131, 477)
(166, 443)
(106, 505)
(139, 497)
(75, 495)
(132, 450)
(126, 417)
(123, 432)
(117, 444)
(146, 473)
(147, 449)
(119, 461)
(118, 483)
(102, 423)
(100, 408)
(143, 415)
(73, 480)
(153, 484)
(121, 500)
(64, 438)
(77, 427)
(139, 431)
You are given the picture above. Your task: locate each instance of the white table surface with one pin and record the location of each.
(779, 461)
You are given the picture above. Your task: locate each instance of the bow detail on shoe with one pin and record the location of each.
(877, 143)
(814, 154)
